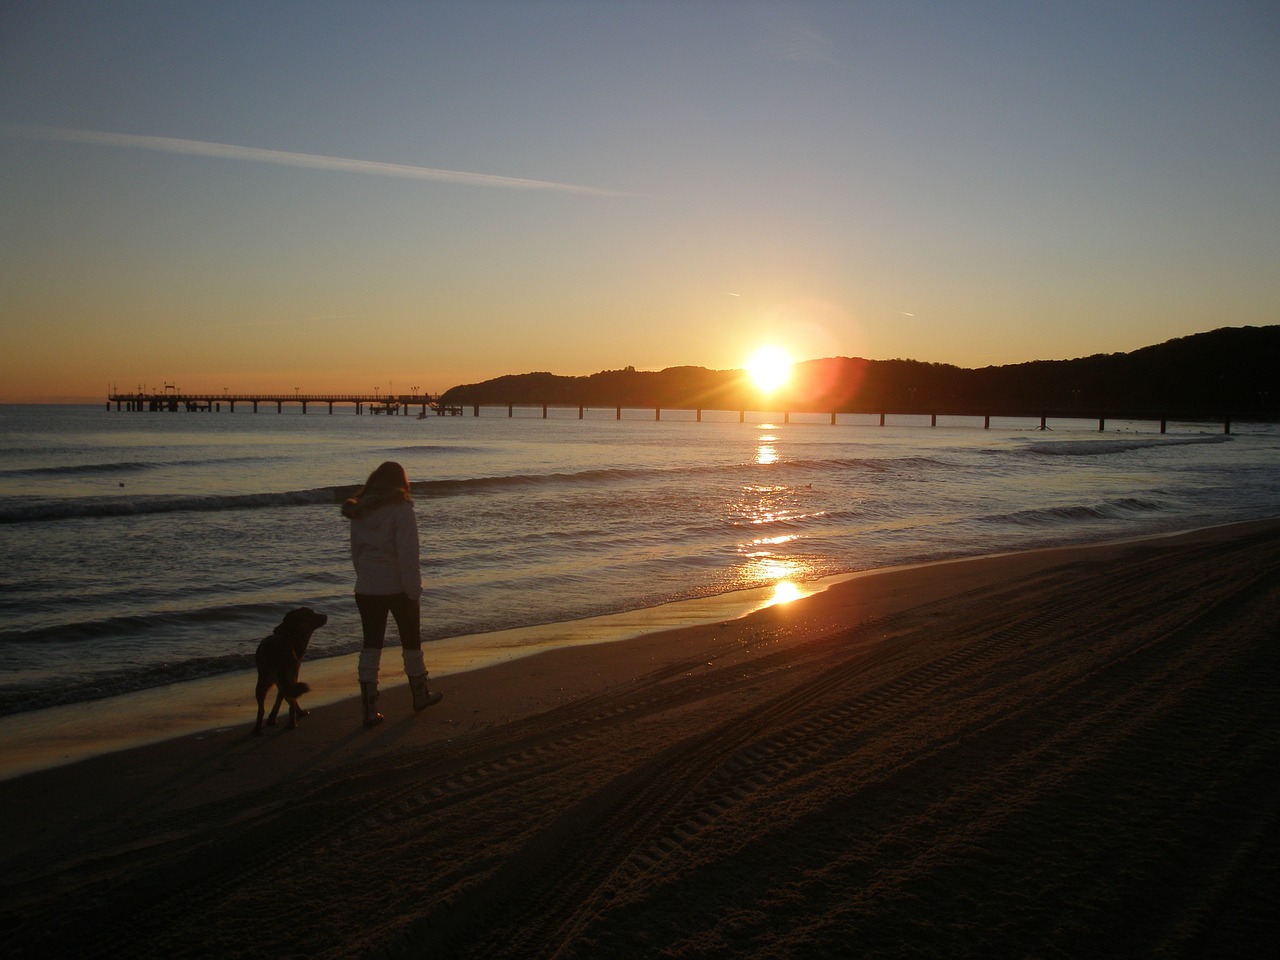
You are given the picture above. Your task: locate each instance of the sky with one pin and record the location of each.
(406, 195)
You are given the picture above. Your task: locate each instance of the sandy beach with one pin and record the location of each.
(1063, 753)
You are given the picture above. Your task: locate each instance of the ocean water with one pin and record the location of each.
(141, 549)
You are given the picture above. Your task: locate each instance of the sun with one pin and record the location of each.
(769, 368)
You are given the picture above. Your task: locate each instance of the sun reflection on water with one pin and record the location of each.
(784, 591)
(766, 452)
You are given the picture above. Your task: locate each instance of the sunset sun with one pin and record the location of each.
(769, 368)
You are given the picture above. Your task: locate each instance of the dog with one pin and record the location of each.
(279, 659)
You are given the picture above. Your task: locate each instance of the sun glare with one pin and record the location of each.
(769, 368)
(784, 591)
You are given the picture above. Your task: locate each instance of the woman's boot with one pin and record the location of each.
(415, 669)
(422, 697)
(367, 670)
(369, 702)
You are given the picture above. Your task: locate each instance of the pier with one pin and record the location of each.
(425, 404)
(375, 404)
(811, 416)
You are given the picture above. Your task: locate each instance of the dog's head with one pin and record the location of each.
(301, 623)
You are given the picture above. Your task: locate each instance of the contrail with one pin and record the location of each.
(287, 158)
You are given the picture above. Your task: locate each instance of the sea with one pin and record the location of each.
(143, 549)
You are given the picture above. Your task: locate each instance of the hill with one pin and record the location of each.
(1232, 370)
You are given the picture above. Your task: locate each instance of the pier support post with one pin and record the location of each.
(1102, 424)
(699, 416)
(657, 413)
(1164, 425)
(1043, 425)
(618, 414)
(742, 416)
(833, 418)
(986, 422)
(882, 419)
(1226, 425)
(544, 411)
(580, 411)
(933, 420)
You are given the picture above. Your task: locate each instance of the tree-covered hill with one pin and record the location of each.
(1231, 371)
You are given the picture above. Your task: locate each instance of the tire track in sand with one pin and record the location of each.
(543, 895)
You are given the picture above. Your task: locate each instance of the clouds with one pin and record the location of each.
(287, 158)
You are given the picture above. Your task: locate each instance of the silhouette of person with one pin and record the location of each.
(384, 551)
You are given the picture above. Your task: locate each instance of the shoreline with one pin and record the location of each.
(41, 740)
(1069, 750)
(37, 740)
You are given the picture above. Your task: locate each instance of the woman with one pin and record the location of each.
(384, 550)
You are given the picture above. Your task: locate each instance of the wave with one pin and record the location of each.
(82, 469)
(449, 488)
(36, 509)
(435, 448)
(118, 467)
(1099, 448)
(247, 617)
(19, 698)
(1119, 509)
(171, 647)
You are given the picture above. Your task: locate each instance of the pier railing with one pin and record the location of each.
(375, 403)
(861, 414)
(425, 404)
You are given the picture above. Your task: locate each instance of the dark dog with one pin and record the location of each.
(279, 658)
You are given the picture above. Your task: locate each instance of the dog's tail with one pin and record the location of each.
(296, 689)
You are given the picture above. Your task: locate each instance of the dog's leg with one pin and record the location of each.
(261, 694)
(271, 720)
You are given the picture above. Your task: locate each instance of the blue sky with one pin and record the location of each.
(350, 195)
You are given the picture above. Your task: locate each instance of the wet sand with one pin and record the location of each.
(1060, 753)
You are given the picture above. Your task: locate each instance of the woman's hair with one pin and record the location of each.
(388, 476)
(387, 484)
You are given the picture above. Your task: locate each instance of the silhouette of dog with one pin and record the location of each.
(279, 659)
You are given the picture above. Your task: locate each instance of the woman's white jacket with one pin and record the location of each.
(384, 550)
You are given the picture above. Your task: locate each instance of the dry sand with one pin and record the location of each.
(1062, 753)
